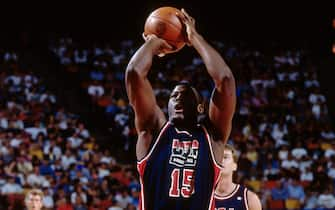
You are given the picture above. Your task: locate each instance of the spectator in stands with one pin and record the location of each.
(280, 192)
(299, 151)
(326, 199)
(11, 187)
(95, 90)
(311, 200)
(78, 192)
(123, 198)
(290, 163)
(330, 151)
(64, 204)
(295, 190)
(79, 204)
(307, 175)
(35, 179)
(48, 200)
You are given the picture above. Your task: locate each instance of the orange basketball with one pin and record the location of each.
(164, 23)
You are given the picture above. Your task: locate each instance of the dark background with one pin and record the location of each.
(257, 22)
(288, 23)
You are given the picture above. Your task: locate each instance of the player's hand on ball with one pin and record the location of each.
(189, 23)
(159, 46)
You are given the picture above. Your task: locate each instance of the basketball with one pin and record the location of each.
(165, 24)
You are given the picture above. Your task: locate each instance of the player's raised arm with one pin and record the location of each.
(148, 116)
(223, 100)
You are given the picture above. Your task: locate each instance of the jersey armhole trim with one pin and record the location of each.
(139, 162)
(246, 199)
(218, 165)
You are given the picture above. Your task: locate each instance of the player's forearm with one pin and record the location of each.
(141, 61)
(216, 66)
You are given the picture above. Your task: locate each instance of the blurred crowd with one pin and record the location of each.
(282, 130)
(44, 146)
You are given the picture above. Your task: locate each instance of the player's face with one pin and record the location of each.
(182, 105)
(34, 202)
(228, 163)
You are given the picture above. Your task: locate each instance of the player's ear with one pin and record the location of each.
(200, 108)
(235, 166)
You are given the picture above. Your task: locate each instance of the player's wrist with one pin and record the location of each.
(194, 37)
(154, 45)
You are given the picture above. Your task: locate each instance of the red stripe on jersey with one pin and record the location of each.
(141, 167)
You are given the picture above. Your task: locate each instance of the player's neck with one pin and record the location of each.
(185, 126)
(225, 187)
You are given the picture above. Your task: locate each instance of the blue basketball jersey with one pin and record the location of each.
(237, 200)
(179, 172)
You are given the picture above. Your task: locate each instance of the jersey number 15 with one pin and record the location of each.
(186, 187)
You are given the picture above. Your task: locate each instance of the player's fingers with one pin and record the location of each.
(145, 37)
(185, 13)
(167, 46)
(181, 15)
(187, 16)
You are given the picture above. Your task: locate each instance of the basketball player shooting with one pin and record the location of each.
(178, 158)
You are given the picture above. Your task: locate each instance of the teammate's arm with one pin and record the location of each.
(253, 201)
(223, 100)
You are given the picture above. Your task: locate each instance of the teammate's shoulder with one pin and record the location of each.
(254, 202)
(251, 193)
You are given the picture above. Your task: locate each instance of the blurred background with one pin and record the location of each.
(66, 126)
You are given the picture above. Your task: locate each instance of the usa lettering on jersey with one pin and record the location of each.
(223, 208)
(184, 153)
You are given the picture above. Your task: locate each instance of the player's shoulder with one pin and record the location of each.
(251, 193)
(254, 202)
(210, 128)
(248, 191)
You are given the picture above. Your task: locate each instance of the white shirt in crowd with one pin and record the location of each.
(84, 133)
(67, 160)
(3, 123)
(74, 196)
(48, 202)
(306, 176)
(304, 164)
(46, 96)
(102, 172)
(34, 131)
(329, 152)
(14, 142)
(288, 164)
(123, 201)
(283, 154)
(299, 152)
(15, 79)
(75, 141)
(328, 134)
(326, 200)
(314, 98)
(36, 180)
(30, 80)
(96, 90)
(9, 188)
(331, 172)
(55, 150)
